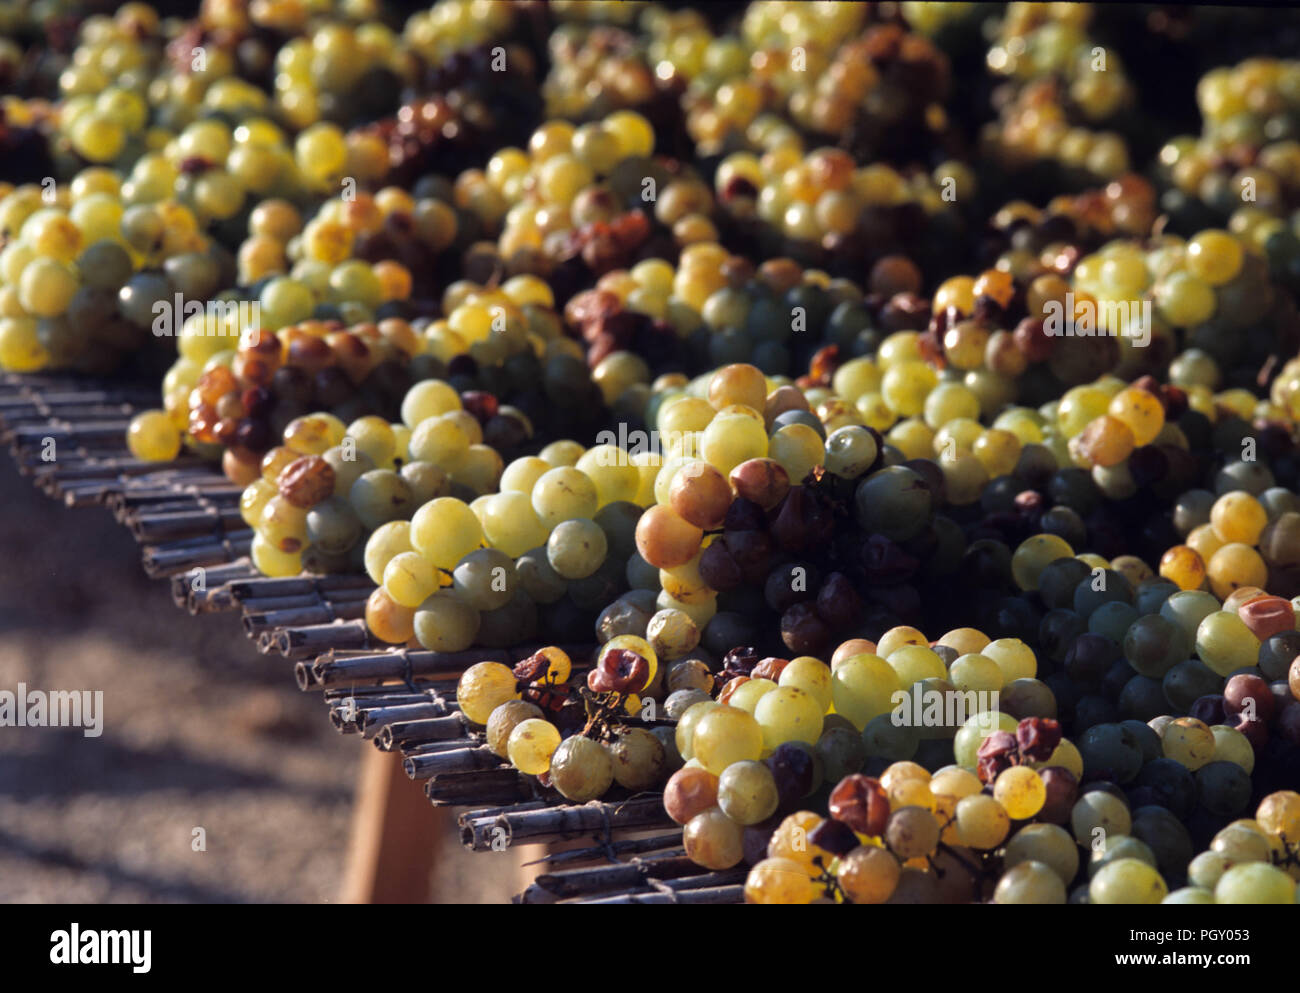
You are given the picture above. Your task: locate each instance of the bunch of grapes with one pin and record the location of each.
(1062, 86)
(575, 740)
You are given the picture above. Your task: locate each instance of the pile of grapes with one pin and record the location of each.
(902, 401)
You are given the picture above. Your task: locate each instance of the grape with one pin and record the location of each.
(1046, 844)
(788, 713)
(1021, 792)
(387, 620)
(576, 548)
(152, 437)
(747, 792)
(1223, 788)
(1127, 880)
(723, 735)
(982, 822)
(779, 881)
(504, 719)
(483, 687)
(700, 495)
(1224, 643)
(863, 687)
(444, 531)
(690, 791)
(1029, 881)
(911, 832)
(562, 494)
(445, 623)
(868, 874)
(1279, 814)
(485, 579)
(531, 745)
(1255, 882)
(713, 840)
(638, 759)
(1099, 814)
(748, 695)
(894, 502)
(510, 524)
(1189, 742)
(380, 496)
(666, 540)
(673, 634)
(410, 579)
(581, 769)
(685, 735)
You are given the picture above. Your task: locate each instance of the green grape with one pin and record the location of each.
(1255, 882)
(863, 687)
(46, 287)
(442, 440)
(333, 526)
(284, 301)
(1224, 643)
(483, 687)
(732, 437)
(531, 745)
(581, 769)
(725, 735)
(1127, 880)
(894, 501)
(748, 694)
(639, 759)
(562, 494)
(374, 436)
(982, 823)
(747, 792)
(975, 672)
(271, 561)
(810, 675)
(445, 623)
(576, 548)
(1099, 814)
(253, 500)
(426, 480)
(485, 579)
(913, 663)
(380, 496)
(426, 400)
(282, 525)
(444, 530)
(510, 523)
(1206, 869)
(614, 477)
(522, 474)
(850, 451)
(537, 578)
(789, 713)
(1029, 881)
(1046, 844)
(387, 541)
(504, 719)
(685, 733)
(153, 437)
(1190, 894)
(882, 737)
(1013, 657)
(410, 579)
(673, 634)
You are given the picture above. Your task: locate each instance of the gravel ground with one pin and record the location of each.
(199, 732)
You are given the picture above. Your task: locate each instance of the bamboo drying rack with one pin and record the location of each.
(68, 432)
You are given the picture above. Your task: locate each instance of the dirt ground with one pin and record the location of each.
(199, 732)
